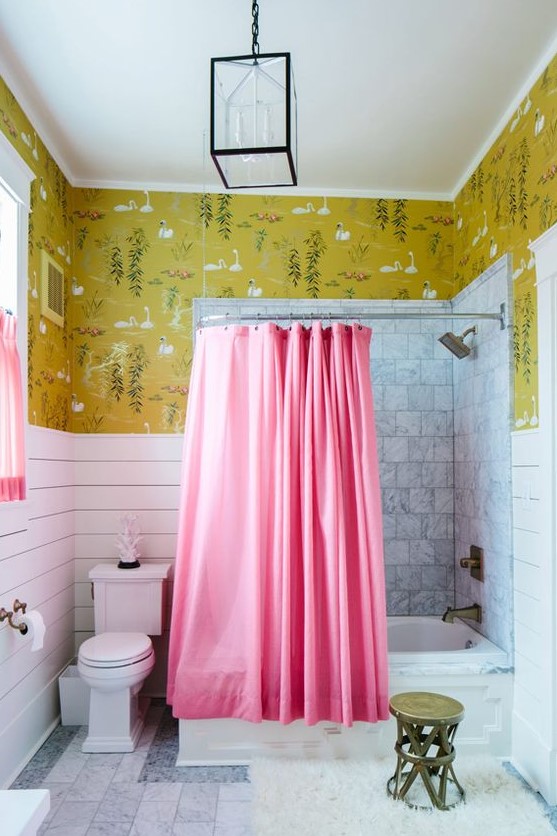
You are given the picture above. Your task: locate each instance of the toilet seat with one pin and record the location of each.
(115, 650)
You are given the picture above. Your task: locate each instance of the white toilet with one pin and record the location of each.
(130, 606)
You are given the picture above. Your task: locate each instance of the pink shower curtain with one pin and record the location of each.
(279, 594)
(12, 453)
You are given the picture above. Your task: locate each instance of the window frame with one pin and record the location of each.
(16, 178)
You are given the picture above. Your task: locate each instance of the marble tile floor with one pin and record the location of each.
(143, 793)
(139, 793)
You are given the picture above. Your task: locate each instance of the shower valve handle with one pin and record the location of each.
(475, 563)
(470, 562)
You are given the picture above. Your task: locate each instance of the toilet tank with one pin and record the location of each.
(130, 600)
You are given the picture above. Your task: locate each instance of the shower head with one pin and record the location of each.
(457, 344)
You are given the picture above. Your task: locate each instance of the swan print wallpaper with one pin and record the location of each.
(133, 260)
(51, 230)
(141, 257)
(510, 199)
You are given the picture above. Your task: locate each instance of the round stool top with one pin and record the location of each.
(426, 709)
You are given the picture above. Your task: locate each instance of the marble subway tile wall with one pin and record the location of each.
(483, 492)
(412, 384)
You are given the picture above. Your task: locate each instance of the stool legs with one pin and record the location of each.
(413, 759)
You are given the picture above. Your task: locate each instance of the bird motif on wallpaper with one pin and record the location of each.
(324, 210)
(522, 422)
(492, 248)
(539, 122)
(391, 268)
(164, 347)
(236, 267)
(126, 323)
(303, 210)
(42, 326)
(126, 207)
(411, 267)
(146, 324)
(77, 289)
(253, 290)
(76, 406)
(429, 292)
(164, 231)
(42, 190)
(147, 205)
(220, 266)
(532, 260)
(516, 120)
(519, 270)
(64, 374)
(534, 419)
(342, 234)
(33, 290)
(29, 142)
(65, 252)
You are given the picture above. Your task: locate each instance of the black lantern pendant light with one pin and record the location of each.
(253, 117)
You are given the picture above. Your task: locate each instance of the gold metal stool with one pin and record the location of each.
(425, 720)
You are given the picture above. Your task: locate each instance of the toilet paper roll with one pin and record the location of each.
(35, 627)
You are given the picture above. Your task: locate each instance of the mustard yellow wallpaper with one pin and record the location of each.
(51, 230)
(132, 262)
(510, 199)
(141, 257)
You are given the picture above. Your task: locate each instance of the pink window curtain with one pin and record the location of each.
(279, 594)
(12, 451)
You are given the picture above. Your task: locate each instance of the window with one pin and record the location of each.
(15, 177)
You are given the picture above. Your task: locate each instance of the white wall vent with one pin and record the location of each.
(52, 289)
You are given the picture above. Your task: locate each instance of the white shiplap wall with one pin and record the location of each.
(37, 566)
(530, 687)
(114, 475)
(79, 487)
(535, 718)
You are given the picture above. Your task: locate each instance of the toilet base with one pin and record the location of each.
(116, 721)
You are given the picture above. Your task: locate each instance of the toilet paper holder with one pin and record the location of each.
(4, 614)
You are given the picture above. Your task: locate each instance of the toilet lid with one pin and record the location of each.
(114, 649)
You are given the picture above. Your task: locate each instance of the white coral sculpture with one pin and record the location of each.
(128, 540)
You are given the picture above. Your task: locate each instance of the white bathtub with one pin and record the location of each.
(428, 645)
(425, 654)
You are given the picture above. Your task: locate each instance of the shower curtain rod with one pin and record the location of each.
(350, 315)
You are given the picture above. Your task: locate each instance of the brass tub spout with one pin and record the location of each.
(474, 612)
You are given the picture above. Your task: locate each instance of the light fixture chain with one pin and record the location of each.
(255, 28)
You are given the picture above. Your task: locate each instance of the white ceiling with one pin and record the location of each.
(395, 97)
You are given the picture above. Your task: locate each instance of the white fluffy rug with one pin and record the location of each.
(348, 798)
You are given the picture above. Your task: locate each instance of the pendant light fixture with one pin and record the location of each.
(253, 117)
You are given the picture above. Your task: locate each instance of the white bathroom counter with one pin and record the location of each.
(23, 811)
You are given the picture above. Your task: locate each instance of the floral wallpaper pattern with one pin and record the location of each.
(141, 257)
(133, 261)
(51, 229)
(509, 200)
